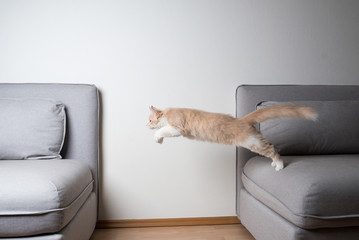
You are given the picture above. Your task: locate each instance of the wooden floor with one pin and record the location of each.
(210, 232)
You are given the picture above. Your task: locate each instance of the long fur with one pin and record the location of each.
(225, 129)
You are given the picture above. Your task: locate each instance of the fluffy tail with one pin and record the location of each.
(282, 111)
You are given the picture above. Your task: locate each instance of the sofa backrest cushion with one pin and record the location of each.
(335, 132)
(31, 128)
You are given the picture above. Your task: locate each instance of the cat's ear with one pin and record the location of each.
(156, 111)
(153, 109)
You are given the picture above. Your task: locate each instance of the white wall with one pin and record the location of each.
(180, 53)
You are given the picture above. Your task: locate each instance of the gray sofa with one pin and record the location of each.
(49, 158)
(316, 195)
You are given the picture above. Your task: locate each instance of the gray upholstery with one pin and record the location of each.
(270, 211)
(80, 228)
(82, 116)
(315, 191)
(330, 134)
(33, 128)
(265, 224)
(41, 196)
(70, 206)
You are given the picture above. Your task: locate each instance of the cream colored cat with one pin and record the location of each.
(221, 128)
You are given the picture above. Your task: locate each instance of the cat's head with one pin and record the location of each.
(154, 120)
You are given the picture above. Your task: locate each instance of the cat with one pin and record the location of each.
(225, 129)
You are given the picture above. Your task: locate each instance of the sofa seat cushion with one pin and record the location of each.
(315, 191)
(41, 196)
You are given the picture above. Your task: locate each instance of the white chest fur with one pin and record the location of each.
(166, 131)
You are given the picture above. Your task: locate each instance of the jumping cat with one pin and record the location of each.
(225, 129)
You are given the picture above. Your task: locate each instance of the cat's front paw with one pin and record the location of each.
(158, 139)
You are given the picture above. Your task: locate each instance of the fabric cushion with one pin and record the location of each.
(318, 191)
(31, 128)
(41, 196)
(335, 132)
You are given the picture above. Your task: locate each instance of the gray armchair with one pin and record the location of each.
(49, 171)
(316, 195)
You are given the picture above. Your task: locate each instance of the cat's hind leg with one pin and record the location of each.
(258, 144)
(166, 131)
